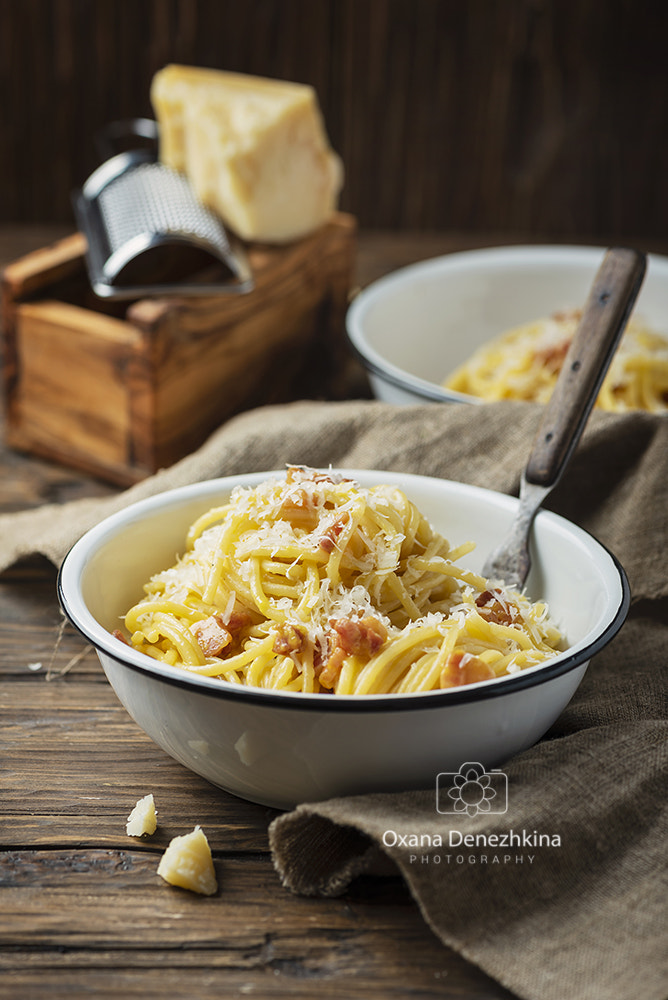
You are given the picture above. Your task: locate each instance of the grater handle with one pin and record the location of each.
(108, 139)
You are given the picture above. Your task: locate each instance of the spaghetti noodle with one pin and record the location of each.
(525, 362)
(312, 583)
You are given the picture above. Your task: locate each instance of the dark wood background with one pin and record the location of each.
(547, 117)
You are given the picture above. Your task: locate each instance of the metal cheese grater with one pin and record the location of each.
(149, 234)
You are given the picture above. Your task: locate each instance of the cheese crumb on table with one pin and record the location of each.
(187, 863)
(143, 818)
(254, 150)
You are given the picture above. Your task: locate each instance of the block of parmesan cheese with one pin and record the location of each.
(255, 150)
(187, 863)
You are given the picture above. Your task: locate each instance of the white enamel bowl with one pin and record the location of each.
(280, 749)
(412, 328)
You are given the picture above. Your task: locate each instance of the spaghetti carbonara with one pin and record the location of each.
(525, 363)
(312, 583)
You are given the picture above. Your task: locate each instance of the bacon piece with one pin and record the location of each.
(552, 357)
(360, 637)
(117, 634)
(329, 539)
(299, 500)
(464, 668)
(299, 510)
(237, 621)
(329, 673)
(289, 639)
(348, 637)
(294, 474)
(212, 637)
(492, 610)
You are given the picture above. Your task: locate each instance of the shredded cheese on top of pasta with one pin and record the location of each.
(312, 583)
(525, 362)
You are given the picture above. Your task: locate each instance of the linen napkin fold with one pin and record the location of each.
(564, 893)
(615, 485)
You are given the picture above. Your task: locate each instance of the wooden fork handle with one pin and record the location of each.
(604, 318)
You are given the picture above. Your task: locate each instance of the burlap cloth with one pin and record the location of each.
(585, 918)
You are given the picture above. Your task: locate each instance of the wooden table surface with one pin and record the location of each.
(82, 910)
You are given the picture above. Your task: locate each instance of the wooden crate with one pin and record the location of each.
(120, 390)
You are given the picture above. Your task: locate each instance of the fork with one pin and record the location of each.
(604, 318)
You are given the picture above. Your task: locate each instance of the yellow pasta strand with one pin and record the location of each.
(524, 364)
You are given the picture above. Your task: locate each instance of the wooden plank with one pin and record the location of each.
(481, 115)
(70, 394)
(105, 921)
(72, 752)
(44, 266)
